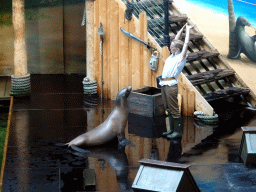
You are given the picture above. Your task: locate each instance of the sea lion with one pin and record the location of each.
(112, 127)
(246, 44)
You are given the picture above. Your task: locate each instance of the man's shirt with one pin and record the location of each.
(172, 68)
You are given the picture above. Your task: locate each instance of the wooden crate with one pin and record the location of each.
(156, 175)
(248, 145)
(146, 101)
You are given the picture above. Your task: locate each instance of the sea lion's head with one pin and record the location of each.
(121, 98)
(125, 92)
(242, 21)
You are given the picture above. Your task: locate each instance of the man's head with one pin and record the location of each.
(176, 46)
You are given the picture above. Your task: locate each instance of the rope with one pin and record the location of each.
(247, 2)
(84, 15)
(150, 15)
(90, 101)
(207, 118)
(20, 85)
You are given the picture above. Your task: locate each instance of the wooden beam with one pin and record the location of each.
(191, 103)
(201, 55)
(90, 70)
(103, 18)
(123, 51)
(96, 47)
(114, 48)
(200, 103)
(185, 100)
(136, 59)
(191, 37)
(209, 76)
(145, 53)
(226, 93)
(10, 116)
(20, 48)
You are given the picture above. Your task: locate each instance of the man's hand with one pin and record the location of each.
(188, 27)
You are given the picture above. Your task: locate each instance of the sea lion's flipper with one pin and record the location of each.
(251, 109)
(124, 142)
(61, 144)
(79, 149)
(239, 51)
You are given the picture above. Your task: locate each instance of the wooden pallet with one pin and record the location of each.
(205, 68)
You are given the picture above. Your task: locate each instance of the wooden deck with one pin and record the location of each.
(5, 87)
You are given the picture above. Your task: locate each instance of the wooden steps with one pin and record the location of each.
(206, 70)
(201, 55)
(193, 37)
(159, 22)
(226, 93)
(210, 76)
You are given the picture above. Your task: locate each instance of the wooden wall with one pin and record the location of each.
(55, 39)
(125, 60)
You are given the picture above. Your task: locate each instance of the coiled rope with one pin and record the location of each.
(90, 87)
(20, 85)
(207, 118)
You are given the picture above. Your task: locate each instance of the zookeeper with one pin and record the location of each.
(173, 66)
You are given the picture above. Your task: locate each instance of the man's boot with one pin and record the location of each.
(170, 131)
(177, 126)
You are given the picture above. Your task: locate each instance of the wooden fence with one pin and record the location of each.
(126, 61)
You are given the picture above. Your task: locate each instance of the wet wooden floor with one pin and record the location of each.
(57, 111)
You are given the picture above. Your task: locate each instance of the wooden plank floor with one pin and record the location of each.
(5, 87)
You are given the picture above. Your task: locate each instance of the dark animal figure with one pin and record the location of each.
(111, 128)
(116, 158)
(246, 44)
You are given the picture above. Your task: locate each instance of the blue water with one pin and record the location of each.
(245, 8)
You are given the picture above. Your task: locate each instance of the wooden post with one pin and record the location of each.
(191, 103)
(136, 59)
(89, 6)
(200, 103)
(123, 51)
(97, 66)
(20, 50)
(21, 79)
(145, 54)
(114, 48)
(184, 107)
